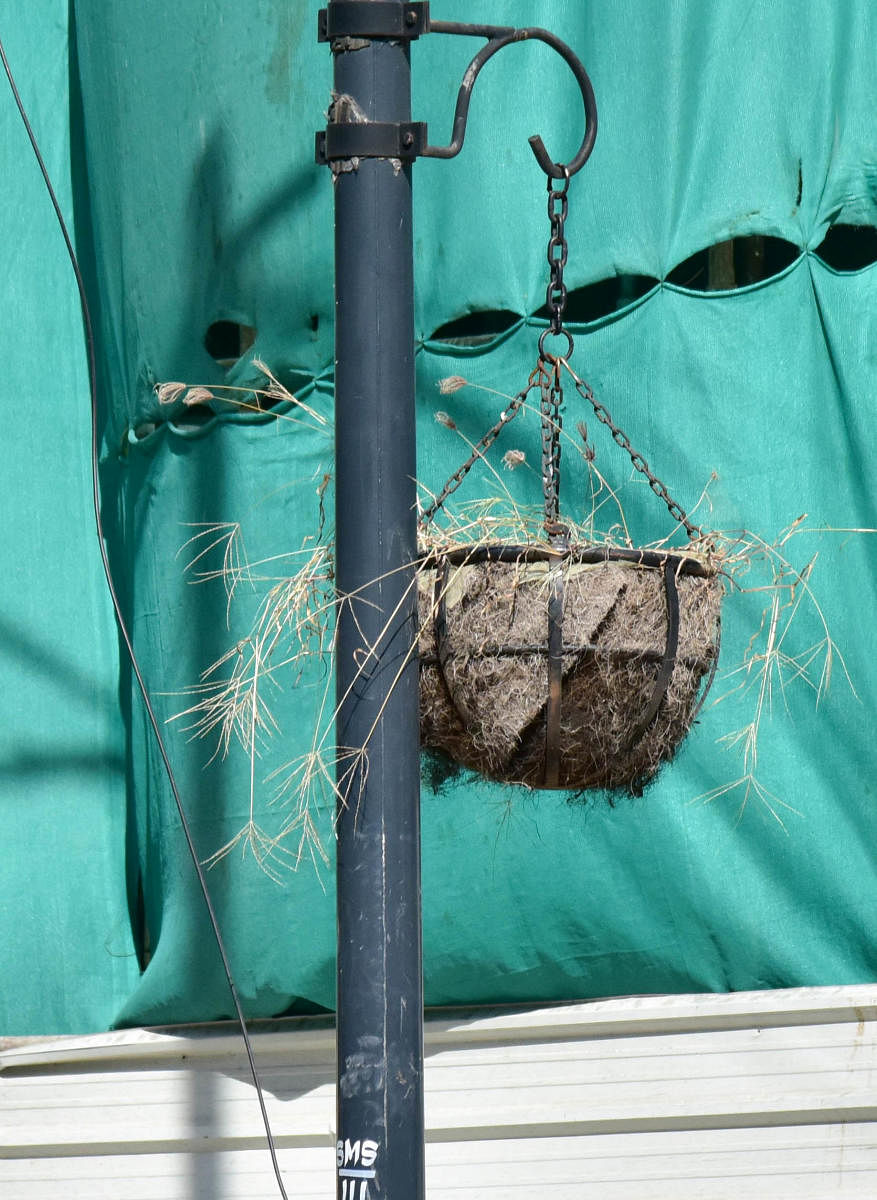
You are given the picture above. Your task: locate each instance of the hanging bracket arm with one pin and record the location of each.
(373, 20)
(500, 36)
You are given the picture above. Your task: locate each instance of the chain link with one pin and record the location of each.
(677, 512)
(484, 443)
(558, 251)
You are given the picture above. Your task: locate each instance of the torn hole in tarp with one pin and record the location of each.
(476, 330)
(734, 263)
(848, 248)
(227, 341)
(603, 298)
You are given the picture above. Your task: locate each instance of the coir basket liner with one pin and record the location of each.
(575, 668)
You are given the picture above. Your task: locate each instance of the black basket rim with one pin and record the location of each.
(503, 552)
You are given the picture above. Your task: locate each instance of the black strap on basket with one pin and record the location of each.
(668, 662)
(551, 399)
(554, 703)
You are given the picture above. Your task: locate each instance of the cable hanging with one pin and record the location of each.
(123, 627)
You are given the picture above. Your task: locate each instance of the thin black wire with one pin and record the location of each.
(122, 624)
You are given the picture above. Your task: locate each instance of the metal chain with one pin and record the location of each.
(677, 512)
(484, 443)
(555, 293)
(551, 398)
(558, 250)
(552, 390)
(546, 376)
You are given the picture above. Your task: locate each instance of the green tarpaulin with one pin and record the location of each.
(195, 201)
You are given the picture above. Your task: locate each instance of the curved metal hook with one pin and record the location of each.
(498, 37)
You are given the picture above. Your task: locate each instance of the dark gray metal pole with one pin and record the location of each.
(380, 1148)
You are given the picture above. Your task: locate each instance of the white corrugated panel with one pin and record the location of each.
(768, 1094)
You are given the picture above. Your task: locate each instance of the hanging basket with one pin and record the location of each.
(577, 667)
(561, 664)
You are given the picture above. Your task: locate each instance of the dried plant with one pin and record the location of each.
(769, 664)
(230, 397)
(295, 621)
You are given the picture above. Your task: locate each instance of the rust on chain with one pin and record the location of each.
(551, 399)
